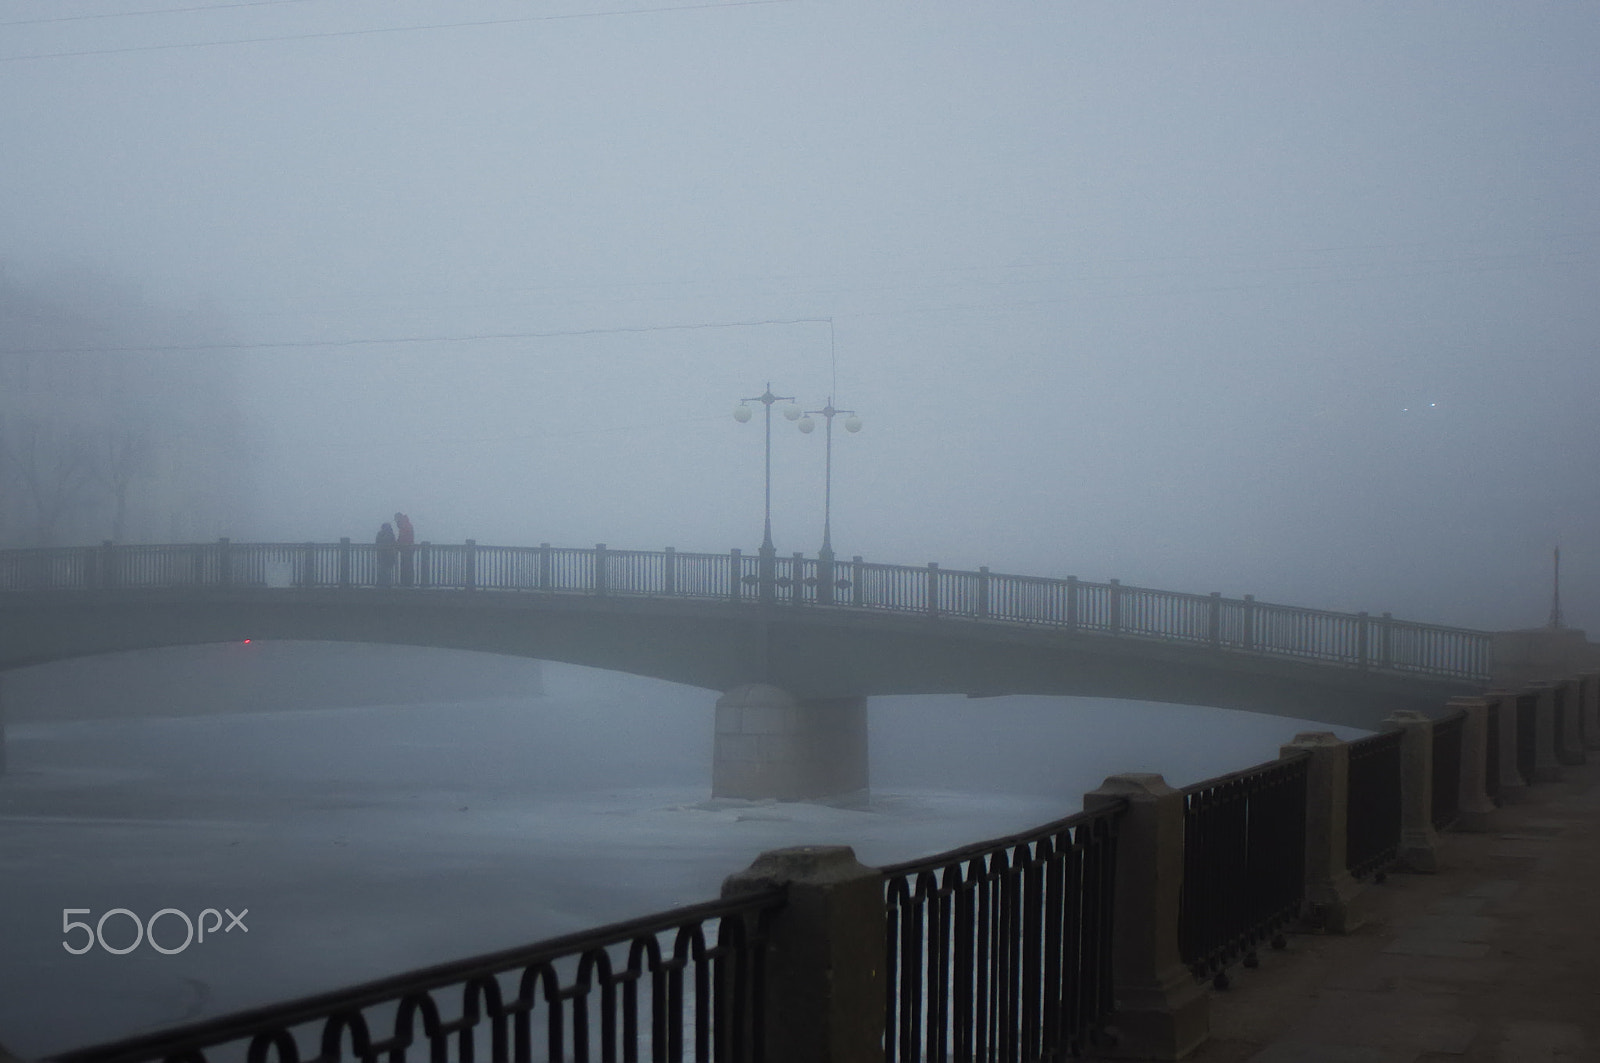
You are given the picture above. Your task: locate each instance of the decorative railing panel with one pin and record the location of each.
(1349, 640)
(1491, 759)
(1372, 805)
(701, 575)
(1244, 843)
(1002, 950)
(898, 587)
(682, 985)
(1526, 707)
(1447, 769)
(570, 570)
(1028, 599)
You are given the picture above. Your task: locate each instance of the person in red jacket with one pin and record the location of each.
(406, 539)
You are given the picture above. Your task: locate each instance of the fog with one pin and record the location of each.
(1294, 302)
(1289, 300)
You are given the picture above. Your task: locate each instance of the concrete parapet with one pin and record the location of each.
(1521, 657)
(1419, 842)
(825, 957)
(1475, 806)
(770, 745)
(1332, 893)
(1546, 766)
(1161, 1011)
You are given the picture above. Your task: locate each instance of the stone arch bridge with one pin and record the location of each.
(797, 644)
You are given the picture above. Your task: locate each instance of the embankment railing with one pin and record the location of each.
(683, 984)
(1002, 950)
(1242, 625)
(1244, 841)
(1372, 809)
(1018, 948)
(1446, 798)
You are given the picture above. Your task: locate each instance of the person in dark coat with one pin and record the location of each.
(386, 555)
(406, 539)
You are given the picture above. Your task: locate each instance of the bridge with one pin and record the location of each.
(796, 644)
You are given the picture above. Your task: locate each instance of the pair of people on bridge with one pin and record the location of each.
(397, 545)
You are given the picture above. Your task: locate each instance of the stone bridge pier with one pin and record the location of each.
(770, 744)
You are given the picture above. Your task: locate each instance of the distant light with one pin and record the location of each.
(247, 642)
(1431, 404)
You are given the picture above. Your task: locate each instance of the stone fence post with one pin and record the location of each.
(825, 956)
(1419, 842)
(1475, 805)
(1331, 891)
(1161, 1012)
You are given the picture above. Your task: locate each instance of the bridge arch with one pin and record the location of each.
(712, 621)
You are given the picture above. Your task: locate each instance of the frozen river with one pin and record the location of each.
(366, 841)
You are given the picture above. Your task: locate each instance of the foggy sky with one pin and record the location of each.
(1295, 300)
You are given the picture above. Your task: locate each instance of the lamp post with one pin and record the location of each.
(852, 423)
(768, 553)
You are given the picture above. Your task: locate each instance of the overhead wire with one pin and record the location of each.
(361, 341)
(390, 29)
(153, 11)
(1415, 268)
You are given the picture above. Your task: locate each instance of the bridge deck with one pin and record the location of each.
(1496, 958)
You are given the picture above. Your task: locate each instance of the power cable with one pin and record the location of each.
(391, 29)
(375, 340)
(155, 11)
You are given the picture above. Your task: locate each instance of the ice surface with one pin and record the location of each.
(367, 841)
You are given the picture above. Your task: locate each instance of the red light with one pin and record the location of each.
(247, 642)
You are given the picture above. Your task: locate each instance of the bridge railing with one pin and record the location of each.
(1244, 624)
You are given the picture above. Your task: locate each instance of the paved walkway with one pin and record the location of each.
(1495, 959)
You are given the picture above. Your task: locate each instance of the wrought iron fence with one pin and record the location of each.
(1244, 843)
(1002, 950)
(1526, 707)
(1351, 640)
(1491, 757)
(1372, 805)
(1447, 769)
(681, 985)
(1569, 742)
(1583, 693)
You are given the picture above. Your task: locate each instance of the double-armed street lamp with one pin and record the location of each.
(766, 567)
(741, 414)
(852, 423)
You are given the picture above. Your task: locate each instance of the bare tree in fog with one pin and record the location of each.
(124, 455)
(114, 421)
(53, 466)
